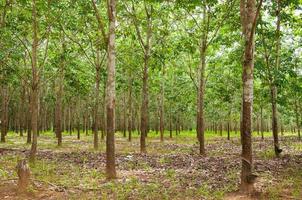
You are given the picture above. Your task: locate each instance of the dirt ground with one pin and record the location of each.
(170, 170)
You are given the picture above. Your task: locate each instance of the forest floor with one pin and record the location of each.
(170, 170)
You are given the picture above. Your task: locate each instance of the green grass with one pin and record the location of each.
(267, 154)
(289, 187)
(165, 184)
(297, 146)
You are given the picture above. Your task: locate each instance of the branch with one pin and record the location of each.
(138, 33)
(243, 14)
(192, 78)
(100, 22)
(26, 48)
(79, 44)
(46, 48)
(2, 22)
(194, 19)
(226, 15)
(254, 23)
(149, 27)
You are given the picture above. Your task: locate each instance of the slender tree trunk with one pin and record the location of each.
(96, 117)
(124, 115)
(274, 87)
(162, 107)
(130, 109)
(228, 129)
(78, 129)
(104, 115)
(110, 104)
(58, 110)
(170, 125)
(261, 123)
(22, 110)
(201, 88)
(297, 119)
(257, 125)
(248, 16)
(69, 120)
(28, 124)
(4, 117)
(281, 128)
(34, 85)
(144, 108)
(86, 123)
(145, 91)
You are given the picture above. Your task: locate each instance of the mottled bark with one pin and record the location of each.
(261, 123)
(162, 106)
(248, 16)
(274, 86)
(124, 116)
(34, 84)
(59, 96)
(201, 87)
(110, 91)
(96, 117)
(130, 109)
(146, 46)
(297, 116)
(4, 112)
(228, 129)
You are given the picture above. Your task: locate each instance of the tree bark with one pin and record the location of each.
(228, 129)
(96, 117)
(34, 85)
(110, 91)
(145, 91)
(4, 117)
(297, 119)
(201, 88)
(28, 123)
(22, 110)
(124, 116)
(261, 123)
(162, 106)
(58, 110)
(248, 16)
(274, 87)
(130, 109)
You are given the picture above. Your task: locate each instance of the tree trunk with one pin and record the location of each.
(297, 119)
(124, 115)
(162, 108)
(228, 129)
(4, 117)
(248, 16)
(257, 126)
(96, 117)
(145, 91)
(130, 109)
(261, 123)
(274, 87)
(22, 112)
(28, 124)
(58, 110)
(78, 129)
(110, 104)
(170, 125)
(201, 88)
(34, 85)
(144, 108)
